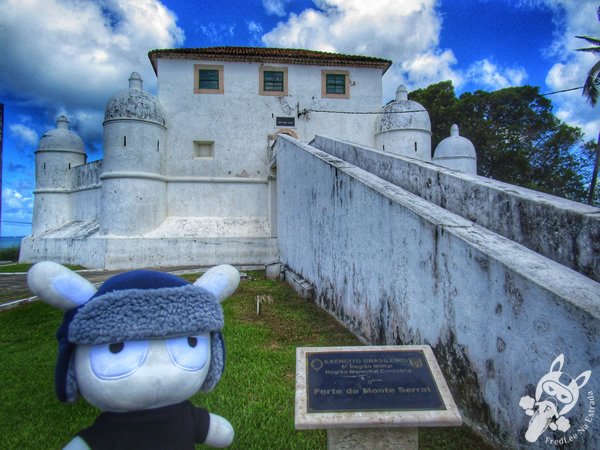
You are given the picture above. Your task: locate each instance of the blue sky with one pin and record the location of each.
(69, 56)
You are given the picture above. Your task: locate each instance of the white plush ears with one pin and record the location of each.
(58, 286)
(64, 289)
(222, 281)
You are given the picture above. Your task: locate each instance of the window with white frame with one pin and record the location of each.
(208, 79)
(335, 84)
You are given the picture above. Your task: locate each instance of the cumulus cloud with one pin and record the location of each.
(489, 75)
(570, 70)
(26, 134)
(275, 7)
(73, 55)
(404, 31)
(16, 205)
(355, 26)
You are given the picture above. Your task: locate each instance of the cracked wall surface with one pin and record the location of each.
(565, 231)
(398, 269)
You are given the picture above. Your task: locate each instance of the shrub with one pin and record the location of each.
(10, 253)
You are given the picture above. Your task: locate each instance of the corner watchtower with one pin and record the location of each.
(59, 150)
(404, 128)
(133, 188)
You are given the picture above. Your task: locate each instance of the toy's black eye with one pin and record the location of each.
(116, 347)
(192, 341)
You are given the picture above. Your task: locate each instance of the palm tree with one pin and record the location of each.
(591, 91)
(590, 88)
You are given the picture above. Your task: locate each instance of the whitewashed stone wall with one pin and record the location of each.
(85, 191)
(565, 231)
(241, 124)
(397, 269)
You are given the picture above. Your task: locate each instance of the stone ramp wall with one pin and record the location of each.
(562, 230)
(397, 269)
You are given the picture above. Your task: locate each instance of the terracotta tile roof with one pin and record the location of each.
(269, 55)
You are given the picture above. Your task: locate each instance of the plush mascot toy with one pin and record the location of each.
(137, 349)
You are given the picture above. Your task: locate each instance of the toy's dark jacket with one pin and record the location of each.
(174, 427)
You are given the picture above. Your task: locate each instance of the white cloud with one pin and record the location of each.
(383, 28)
(74, 55)
(24, 133)
(254, 27)
(256, 30)
(17, 207)
(217, 32)
(491, 76)
(573, 19)
(404, 31)
(275, 7)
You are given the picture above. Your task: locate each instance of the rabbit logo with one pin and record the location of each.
(555, 395)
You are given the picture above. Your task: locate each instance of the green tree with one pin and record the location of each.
(440, 101)
(517, 137)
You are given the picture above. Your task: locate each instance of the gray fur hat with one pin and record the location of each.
(141, 304)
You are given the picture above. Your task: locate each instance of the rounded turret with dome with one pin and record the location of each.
(61, 139)
(58, 151)
(134, 103)
(456, 152)
(404, 128)
(133, 191)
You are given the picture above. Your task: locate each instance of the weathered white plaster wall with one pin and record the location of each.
(460, 163)
(52, 168)
(410, 143)
(165, 252)
(85, 175)
(217, 197)
(85, 204)
(131, 205)
(565, 231)
(85, 191)
(51, 209)
(397, 269)
(132, 145)
(239, 121)
(81, 244)
(52, 205)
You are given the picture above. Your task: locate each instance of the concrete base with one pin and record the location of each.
(274, 271)
(373, 438)
(111, 252)
(302, 287)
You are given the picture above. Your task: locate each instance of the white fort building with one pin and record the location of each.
(189, 177)
(258, 156)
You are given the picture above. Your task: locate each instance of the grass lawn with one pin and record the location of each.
(256, 393)
(21, 268)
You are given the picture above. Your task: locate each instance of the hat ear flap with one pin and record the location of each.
(58, 286)
(217, 362)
